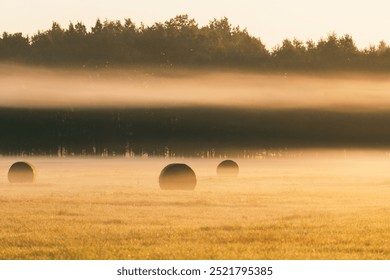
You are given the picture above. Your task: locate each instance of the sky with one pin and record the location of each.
(272, 21)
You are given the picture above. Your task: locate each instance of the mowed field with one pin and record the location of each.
(318, 206)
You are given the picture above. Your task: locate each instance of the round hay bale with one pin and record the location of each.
(21, 172)
(228, 168)
(177, 176)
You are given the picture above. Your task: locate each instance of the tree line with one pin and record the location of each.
(180, 41)
(186, 131)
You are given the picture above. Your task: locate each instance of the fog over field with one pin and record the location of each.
(313, 152)
(188, 111)
(154, 87)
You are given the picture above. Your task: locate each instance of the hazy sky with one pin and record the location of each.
(273, 20)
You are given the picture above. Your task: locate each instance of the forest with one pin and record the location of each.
(180, 41)
(185, 131)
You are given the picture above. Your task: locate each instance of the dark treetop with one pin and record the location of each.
(180, 41)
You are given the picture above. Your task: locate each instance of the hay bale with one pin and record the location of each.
(21, 172)
(228, 168)
(177, 176)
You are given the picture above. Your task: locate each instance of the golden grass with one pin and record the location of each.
(275, 209)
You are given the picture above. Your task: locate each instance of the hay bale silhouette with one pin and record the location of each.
(228, 168)
(177, 176)
(21, 172)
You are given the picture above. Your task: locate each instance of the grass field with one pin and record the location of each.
(314, 207)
